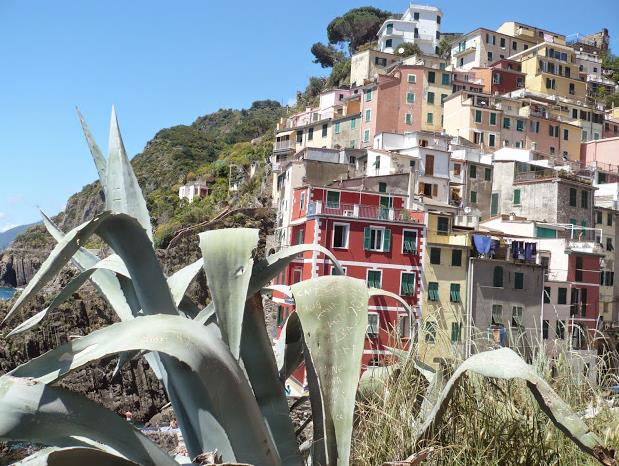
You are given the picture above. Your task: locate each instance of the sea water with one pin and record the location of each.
(6, 293)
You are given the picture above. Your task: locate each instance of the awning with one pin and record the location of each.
(285, 133)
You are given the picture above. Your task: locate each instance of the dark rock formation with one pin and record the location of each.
(18, 266)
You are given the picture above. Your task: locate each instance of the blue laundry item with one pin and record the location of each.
(494, 245)
(503, 335)
(482, 243)
(528, 251)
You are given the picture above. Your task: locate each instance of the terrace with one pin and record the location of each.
(361, 211)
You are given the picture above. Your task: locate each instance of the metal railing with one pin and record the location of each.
(284, 145)
(360, 211)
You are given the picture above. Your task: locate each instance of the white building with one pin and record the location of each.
(420, 24)
(193, 190)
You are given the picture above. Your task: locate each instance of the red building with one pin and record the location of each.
(584, 275)
(375, 239)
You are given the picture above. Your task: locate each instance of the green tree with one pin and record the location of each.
(340, 75)
(444, 48)
(408, 49)
(356, 27)
(327, 55)
(309, 97)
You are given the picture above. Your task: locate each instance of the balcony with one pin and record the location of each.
(361, 211)
(284, 146)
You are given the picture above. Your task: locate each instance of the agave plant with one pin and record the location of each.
(216, 364)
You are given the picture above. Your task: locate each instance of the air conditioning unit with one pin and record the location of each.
(349, 213)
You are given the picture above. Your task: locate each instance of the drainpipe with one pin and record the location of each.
(541, 312)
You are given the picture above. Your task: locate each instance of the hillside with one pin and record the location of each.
(7, 237)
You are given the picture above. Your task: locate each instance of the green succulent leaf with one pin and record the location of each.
(74, 456)
(228, 265)
(288, 349)
(122, 192)
(180, 280)
(225, 398)
(504, 363)
(96, 153)
(36, 412)
(333, 311)
(261, 369)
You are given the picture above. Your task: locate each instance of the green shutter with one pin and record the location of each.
(455, 332)
(516, 197)
(387, 240)
(493, 118)
(433, 291)
(454, 293)
(519, 280)
(367, 238)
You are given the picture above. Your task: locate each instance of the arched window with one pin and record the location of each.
(497, 280)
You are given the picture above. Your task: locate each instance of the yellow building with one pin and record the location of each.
(550, 69)
(443, 295)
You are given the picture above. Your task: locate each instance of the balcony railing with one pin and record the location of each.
(284, 145)
(360, 211)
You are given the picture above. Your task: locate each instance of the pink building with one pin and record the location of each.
(601, 153)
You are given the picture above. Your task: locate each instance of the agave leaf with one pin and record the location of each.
(222, 391)
(289, 347)
(206, 314)
(504, 363)
(104, 281)
(36, 412)
(180, 280)
(122, 192)
(266, 269)
(228, 266)
(261, 369)
(74, 456)
(58, 258)
(374, 292)
(96, 153)
(333, 311)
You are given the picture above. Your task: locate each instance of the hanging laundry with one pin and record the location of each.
(503, 336)
(494, 245)
(516, 247)
(482, 244)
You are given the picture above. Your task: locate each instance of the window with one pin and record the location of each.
(366, 135)
(382, 187)
(410, 97)
(407, 287)
(281, 315)
(478, 138)
(519, 281)
(368, 95)
(340, 235)
(497, 277)
(368, 115)
(430, 97)
(431, 76)
(456, 257)
(429, 171)
(572, 88)
(445, 79)
(335, 271)
(584, 199)
(454, 293)
(553, 131)
(412, 78)
(388, 43)
(337, 128)
(502, 42)
(297, 275)
(578, 274)
(574, 113)
(514, 45)
(377, 162)
(408, 118)
(493, 119)
(609, 219)
(409, 242)
(562, 296)
(389, 28)
(377, 239)
(310, 134)
(324, 130)
(472, 171)
(477, 116)
(506, 123)
(457, 169)
(433, 291)
(373, 324)
(456, 330)
(302, 201)
(573, 194)
(473, 197)
(443, 97)
(534, 125)
(516, 200)
(435, 256)
(416, 16)
(300, 137)
(497, 314)
(333, 199)
(560, 329)
(489, 56)
(374, 278)
(609, 244)
(429, 118)
(353, 123)
(547, 294)
(520, 125)
(487, 174)
(517, 316)
(491, 140)
(545, 327)
(598, 217)
(442, 225)
(551, 83)
(566, 134)
(438, 20)
(430, 331)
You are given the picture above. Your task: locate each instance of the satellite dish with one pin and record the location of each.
(401, 50)
(467, 210)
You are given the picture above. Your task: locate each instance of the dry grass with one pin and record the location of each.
(488, 421)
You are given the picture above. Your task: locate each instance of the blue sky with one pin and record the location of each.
(165, 63)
